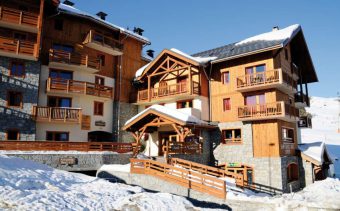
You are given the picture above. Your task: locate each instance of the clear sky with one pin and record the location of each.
(195, 25)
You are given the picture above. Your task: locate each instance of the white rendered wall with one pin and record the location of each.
(85, 102)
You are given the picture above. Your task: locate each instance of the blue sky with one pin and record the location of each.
(196, 25)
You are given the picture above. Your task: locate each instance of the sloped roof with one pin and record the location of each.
(63, 8)
(198, 60)
(265, 41)
(315, 152)
(173, 114)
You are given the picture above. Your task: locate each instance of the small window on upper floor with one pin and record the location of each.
(184, 104)
(226, 104)
(288, 135)
(226, 77)
(14, 99)
(59, 24)
(99, 80)
(17, 69)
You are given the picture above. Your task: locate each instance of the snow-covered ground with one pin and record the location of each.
(25, 185)
(325, 113)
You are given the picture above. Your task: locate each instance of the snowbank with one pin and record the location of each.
(25, 185)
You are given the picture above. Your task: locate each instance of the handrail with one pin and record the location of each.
(17, 46)
(267, 110)
(208, 170)
(63, 114)
(74, 58)
(103, 40)
(80, 87)
(65, 146)
(187, 178)
(18, 16)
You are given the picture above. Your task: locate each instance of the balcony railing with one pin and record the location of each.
(18, 17)
(274, 110)
(78, 87)
(104, 43)
(74, 58)
(18, 47)
(57, 114)
(301, 100)
(170, 90)
(264, 80)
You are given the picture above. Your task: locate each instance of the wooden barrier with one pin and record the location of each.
(208, 170)
(65, 146)
(18, 16)
(186, 178)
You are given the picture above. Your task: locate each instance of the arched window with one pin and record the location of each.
(292, 172)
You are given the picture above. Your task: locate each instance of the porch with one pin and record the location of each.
(166, 132)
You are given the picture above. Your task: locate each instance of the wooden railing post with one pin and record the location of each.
(68, 86)
(65, 114)
(18, 46)
(0, 12)
(87, 60)
(85, 88)
(20, 18)
(50, 114)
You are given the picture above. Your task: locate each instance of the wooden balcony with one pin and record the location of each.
(276, 110)
(18, 20)
(103, 43)
(75, 61)
(65, 146)
(301, 100)
(58, 85)
(57, 114)
(10, 47)
(173, 91)
(277, 78)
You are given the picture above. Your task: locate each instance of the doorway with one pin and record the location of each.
(163, 139)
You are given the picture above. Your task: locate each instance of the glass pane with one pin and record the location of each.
(260, 68)
(49, 136)
(251, 100)
(52, 102)
(66, 75)
(237, 133)
(63, 137)
(249, 70)
(228, 134)
(53, 74)
(64, 102)
(262, 99)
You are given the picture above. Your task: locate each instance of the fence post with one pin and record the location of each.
(50, 114)
(20, 19)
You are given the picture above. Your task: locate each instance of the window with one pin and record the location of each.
(292, 172)
(14, 99)
(98, 108)
(20, 36)
(182, 84)
(231, 136)
(98, 37)
(288, 135)
(17, 69)
(101, 58)
(225, 77)
(60, 47)
(58, 24)
(13, 134)
(65, 102)
(256, 74)
(184, 104)
(255, 99)
(57, 136)
(226, 104)
(61, 74)
(99, 80)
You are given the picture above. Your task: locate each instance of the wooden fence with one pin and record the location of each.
(18, 46)
(208, 170)
(186, 178)
(65, 146)
(57, 114)
(18, 16)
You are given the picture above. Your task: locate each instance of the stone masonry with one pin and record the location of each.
(270, 173)
(122, 113)
(19, 118)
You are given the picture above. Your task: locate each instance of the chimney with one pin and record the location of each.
(150, 53)
(69, 3)
(138, 30)
(275, 28)
(101, 15)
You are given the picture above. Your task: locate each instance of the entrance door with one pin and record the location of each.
(163, 139)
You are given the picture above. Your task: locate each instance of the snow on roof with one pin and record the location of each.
(314, 150)
(200, 60)
(173, 113)
(282, 34)
(75, 11)
(140, 71)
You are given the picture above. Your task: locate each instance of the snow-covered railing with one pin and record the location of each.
(184, 177)
(65, 146)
